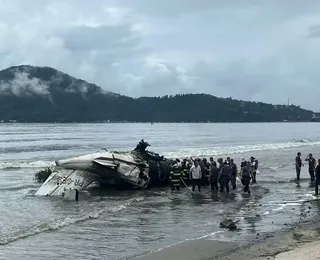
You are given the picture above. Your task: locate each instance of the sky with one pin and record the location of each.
(245, 49)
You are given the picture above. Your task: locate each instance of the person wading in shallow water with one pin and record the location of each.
(212, 162)
(224, 177)
(312, 166)
(175, 176)
(196, 175)
(299, 164)
(317, 182)
(254, 167)
(246, 176)
(220, 165)
(234, 171)
(214, 176)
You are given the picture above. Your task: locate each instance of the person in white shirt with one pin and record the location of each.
(196, 175)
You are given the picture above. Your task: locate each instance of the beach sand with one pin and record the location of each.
(300, 242)
(191, 250)
(310, 251)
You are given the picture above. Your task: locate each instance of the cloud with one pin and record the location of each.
(22, 84)
(252, 50)
(314, 31)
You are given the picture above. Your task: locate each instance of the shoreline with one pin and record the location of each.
(295, 241)
(282, 245)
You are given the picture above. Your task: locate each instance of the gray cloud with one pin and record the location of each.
(251, 50)
(314, 31)
(23, 84)
(103, 37)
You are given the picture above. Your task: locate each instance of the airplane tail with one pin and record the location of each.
(61, 180)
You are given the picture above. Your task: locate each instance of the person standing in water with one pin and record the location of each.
(317, 182)
(205, 170)
(228, 160)
(312, 166)
(185, 171)
(212, 162)
(195, 175)
(220, 165)
(254, 167)
(224, 177)
(175, 176)
(246, 176)
(243, 162)
(214, 174)
(299, 164)
(234, 171)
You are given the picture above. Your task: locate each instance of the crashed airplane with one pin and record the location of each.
(135, 169)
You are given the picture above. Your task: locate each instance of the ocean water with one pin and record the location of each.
(120, 225)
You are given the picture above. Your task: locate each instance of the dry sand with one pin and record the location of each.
(298, 243)
(309, 251)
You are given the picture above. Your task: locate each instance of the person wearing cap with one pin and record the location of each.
(312, 165)
(195, 175)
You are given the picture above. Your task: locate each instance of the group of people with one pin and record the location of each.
(199, 173)
(314, 170)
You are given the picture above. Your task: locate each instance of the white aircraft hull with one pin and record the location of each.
(81, 171)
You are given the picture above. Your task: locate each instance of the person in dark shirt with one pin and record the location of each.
(220, 165)
(312, 166)
(212, 162)
(224, 177)
(246, 176)
(228, 160)
(234, 171)
(243, 162)
(254, 168)
(299, 164)
(214, 176)
(205, 172)
(317, 182)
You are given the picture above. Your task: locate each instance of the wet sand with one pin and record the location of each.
(280, 246)
(300, 241)
(191, 250)
(296, 243)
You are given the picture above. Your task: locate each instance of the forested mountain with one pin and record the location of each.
(43, 94)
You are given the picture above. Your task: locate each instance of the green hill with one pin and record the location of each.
(43, 94)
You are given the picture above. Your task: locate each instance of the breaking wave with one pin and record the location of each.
(186, 152)
(17, 164)
(63, 222)
(201, 152)
(54, 225)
